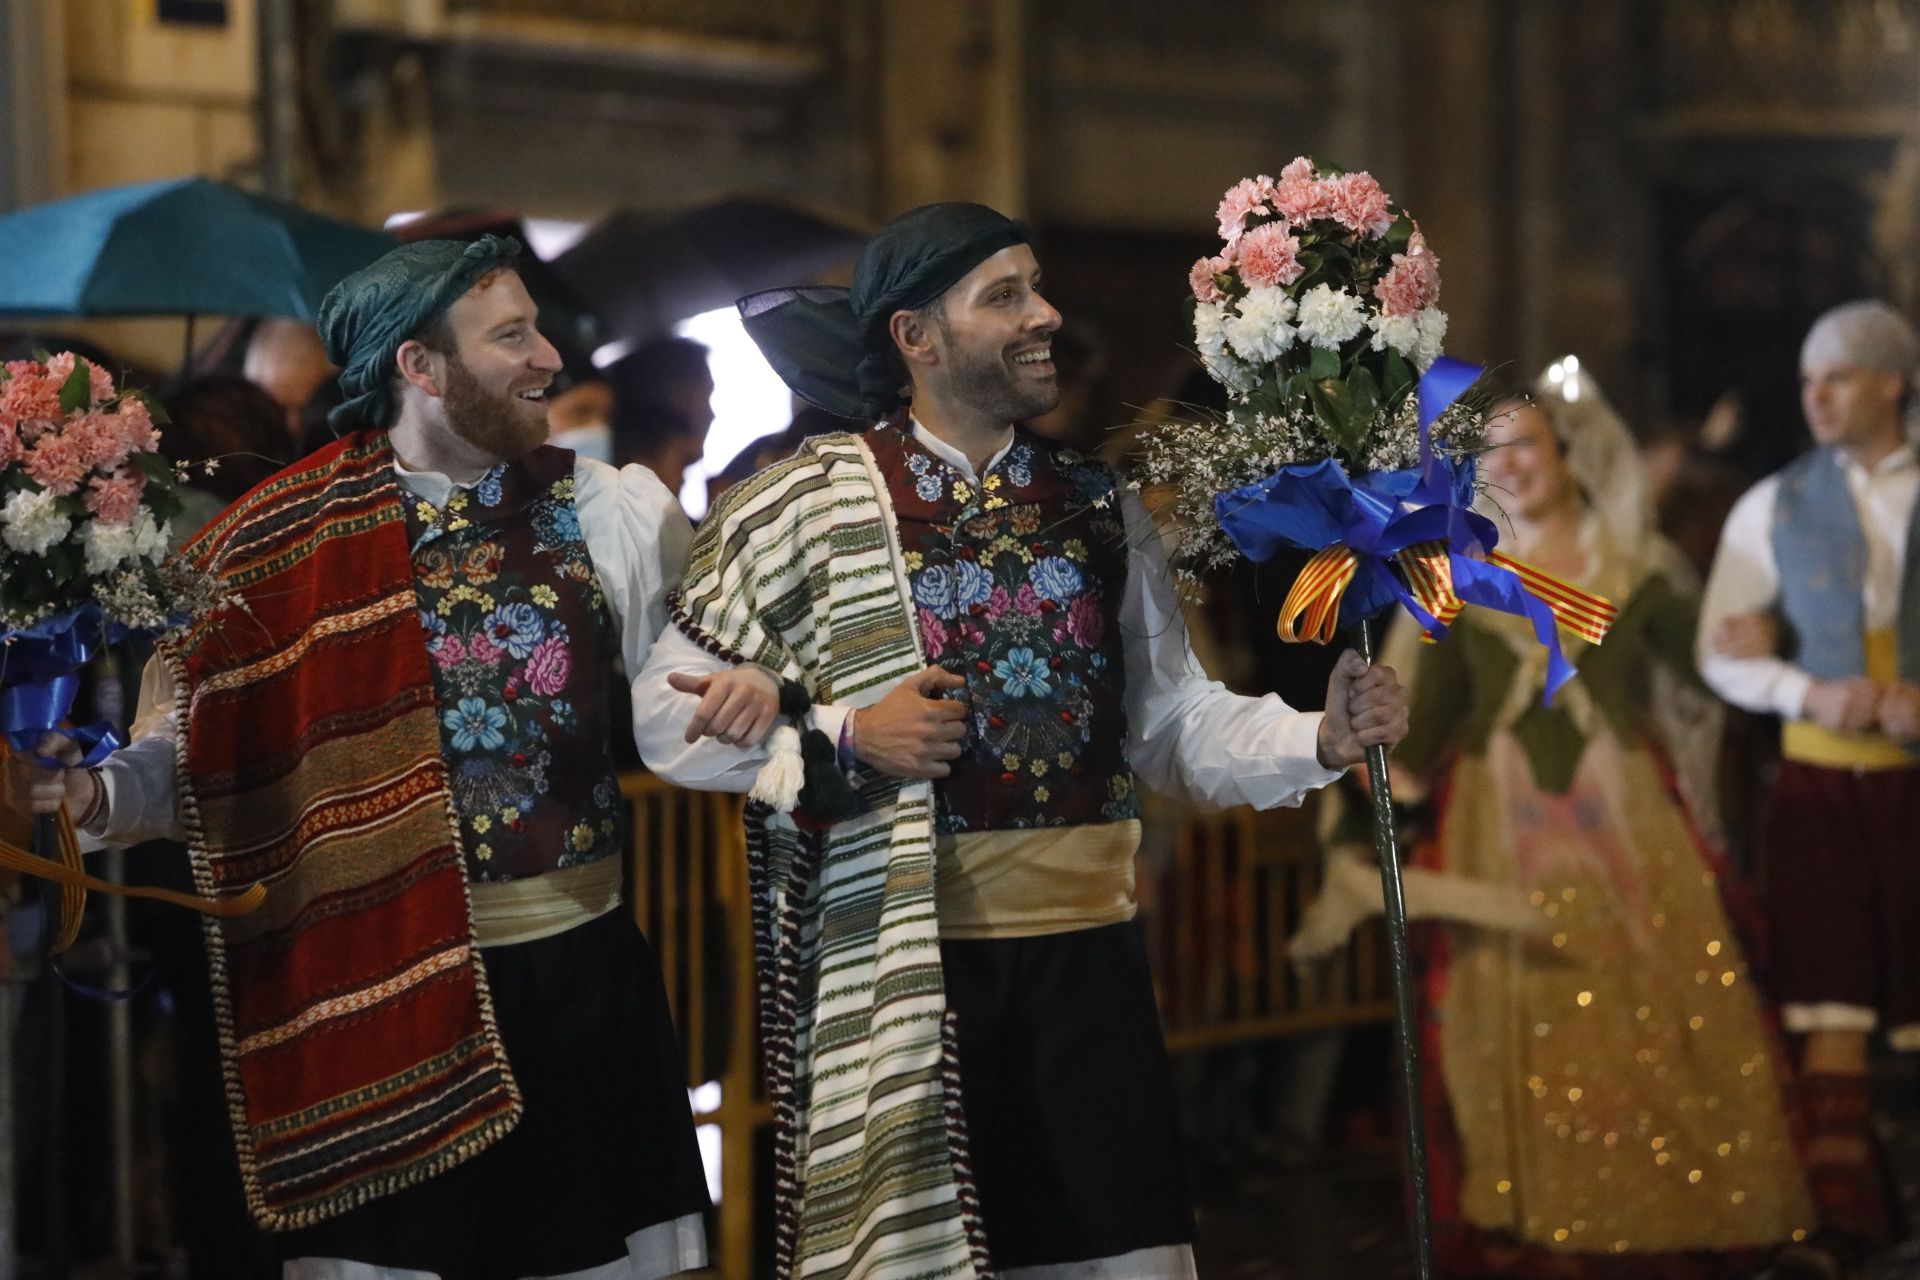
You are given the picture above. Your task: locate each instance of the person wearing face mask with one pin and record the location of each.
(1590, 992)
(1812, 613)
(976, 630)
(446, 1046)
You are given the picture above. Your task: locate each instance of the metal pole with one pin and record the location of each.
(1411, 1112)
(55, 1164)
(9, 1144)
(120, 1065)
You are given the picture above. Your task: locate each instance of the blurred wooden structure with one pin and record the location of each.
(1217, 913)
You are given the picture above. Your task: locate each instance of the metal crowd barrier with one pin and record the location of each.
(1220, 894)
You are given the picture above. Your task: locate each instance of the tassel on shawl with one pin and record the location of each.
(803, 768)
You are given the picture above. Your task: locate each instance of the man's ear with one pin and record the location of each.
(914, 338)
(419, 366)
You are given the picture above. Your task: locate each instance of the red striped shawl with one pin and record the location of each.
(356, 1033)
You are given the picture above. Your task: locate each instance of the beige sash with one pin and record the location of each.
(1018, 884)
(526, 910)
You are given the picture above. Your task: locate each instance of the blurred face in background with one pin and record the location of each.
(288, 360)
(1851, 407)
(1524, 465)
(581, 417)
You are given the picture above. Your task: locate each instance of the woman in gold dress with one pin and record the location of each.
(1604, 1093)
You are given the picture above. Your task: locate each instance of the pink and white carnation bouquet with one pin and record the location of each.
(86, 499)
(1318, 316)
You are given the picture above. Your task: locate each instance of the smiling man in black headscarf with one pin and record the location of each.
(964, 1052)
(446, 1046)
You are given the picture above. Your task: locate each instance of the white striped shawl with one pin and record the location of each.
(799, 570)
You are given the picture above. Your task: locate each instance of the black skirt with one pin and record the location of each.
(1068, 1096)
(605, 1148)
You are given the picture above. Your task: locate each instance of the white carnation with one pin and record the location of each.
(1210, 339)
(32, 521)
(150, 540)
(1433, 331)
(107, 546)
(1329, 316)
(1260, 331)
(1402, 333)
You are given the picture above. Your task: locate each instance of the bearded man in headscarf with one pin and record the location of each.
(446, 1047)
(1823, 554)
(977, 632)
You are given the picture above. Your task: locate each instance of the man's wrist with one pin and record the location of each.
(94, 810)
(848, 760)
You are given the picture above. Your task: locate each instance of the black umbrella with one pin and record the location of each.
(641, 273)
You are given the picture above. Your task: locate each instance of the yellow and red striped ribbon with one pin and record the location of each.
(1316, 594)
(1312, 608)
(1581, 612)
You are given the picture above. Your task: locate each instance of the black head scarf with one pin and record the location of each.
(832, 345)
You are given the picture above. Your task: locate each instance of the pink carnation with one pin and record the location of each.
(9, 443)
(1269, 255)
(99, 381)
(1412, 284)
(28, 395)
(1201, 277)
(548, 667)
(1299, 169)
(100, 439)
(136, 427)
(58, 462)
(1358, 204)
(115, 498)
(1244, 199)
(1301, 200)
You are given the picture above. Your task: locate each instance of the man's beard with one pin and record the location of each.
(487, 421)
(984, 380)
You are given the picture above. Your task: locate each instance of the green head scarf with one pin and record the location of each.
(366, 317)
(832, 346)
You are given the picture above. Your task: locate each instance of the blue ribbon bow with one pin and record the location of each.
(1317, 505)
(40, 674)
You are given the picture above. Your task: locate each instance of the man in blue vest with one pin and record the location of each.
(1822, 551)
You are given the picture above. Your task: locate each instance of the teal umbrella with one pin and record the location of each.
(184, 247)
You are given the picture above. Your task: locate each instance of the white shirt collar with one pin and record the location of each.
(435, 486)
(953, 457)
(1901, 459)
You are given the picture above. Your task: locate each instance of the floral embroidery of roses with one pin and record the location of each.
(503, 657)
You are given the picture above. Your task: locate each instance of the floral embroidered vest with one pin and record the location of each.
(522, 647)
(1017, 585)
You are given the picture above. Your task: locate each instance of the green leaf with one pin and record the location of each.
(1365, 391)
(1333, 407)
(1398, 378)
(1323, 365)
(76, 393)
(1400, 232)
(164, 503)
(156, 466)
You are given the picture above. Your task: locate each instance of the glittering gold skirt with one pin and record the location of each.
(1613, 1084)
